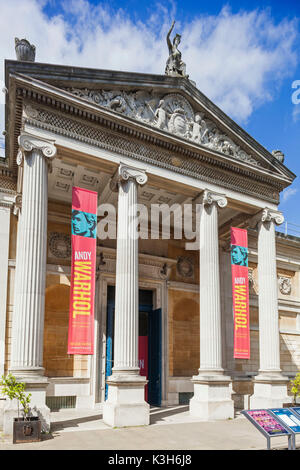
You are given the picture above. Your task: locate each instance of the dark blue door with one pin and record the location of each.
(154, 386)
(149, 325)
(109, 343)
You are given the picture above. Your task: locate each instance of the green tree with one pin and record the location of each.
(295, 389)
(11, 388)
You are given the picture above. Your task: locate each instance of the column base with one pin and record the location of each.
(270, 391)
(125, 405)
(212, 398)
(36, 385)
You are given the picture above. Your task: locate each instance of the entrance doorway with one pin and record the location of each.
(149, 343)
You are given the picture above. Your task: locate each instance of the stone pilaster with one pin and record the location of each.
(212, 389)
(125, 405)
(270, 387)
(26, 362)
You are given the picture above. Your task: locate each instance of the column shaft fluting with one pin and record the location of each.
(210, 313)
(126, 310)
(28, 316)
(210, 303)
(127, 278)
(269, 347)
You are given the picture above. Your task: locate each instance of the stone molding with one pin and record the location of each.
(150, 267)
(29, 142)
(208, 198)
(192, 164)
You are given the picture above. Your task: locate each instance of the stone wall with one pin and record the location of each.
(184, 345)
(56, 361)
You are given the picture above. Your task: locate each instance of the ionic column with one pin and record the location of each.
(269, 385)
(26, 362)
(212, 398)
(125, 405)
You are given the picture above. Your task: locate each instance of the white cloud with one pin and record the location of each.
(237, 60)
(288, 193)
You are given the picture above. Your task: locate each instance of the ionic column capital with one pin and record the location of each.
(125, 173)
(265, 216)
(28, 142)
(209, 197)
(269, 215)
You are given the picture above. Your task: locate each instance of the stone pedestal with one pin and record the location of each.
(212, 397)
(270, 387)
(212, 390)
(28, 317)
(269, 391)
(126, 405)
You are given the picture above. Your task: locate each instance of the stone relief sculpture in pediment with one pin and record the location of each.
(171, 112)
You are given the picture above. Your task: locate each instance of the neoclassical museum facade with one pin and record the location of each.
(151, 139)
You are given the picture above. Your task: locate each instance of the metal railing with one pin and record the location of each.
(288, 228)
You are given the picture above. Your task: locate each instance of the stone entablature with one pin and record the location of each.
(170, 156)
(150, 267)
(170, 112)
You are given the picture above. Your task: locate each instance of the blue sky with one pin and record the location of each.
(244, 55)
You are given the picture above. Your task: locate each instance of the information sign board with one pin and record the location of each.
(267, 424)
(288, 418)
(296, 410)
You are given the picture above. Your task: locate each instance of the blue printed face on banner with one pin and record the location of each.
(239, 255)
(84, 224)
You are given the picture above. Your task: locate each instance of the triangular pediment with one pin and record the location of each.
(170, 112)
(168, 105)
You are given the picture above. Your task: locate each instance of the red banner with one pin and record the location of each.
(82, 295)
(240, 293)
(143, 360)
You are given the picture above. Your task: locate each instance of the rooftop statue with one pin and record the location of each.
(174, 67)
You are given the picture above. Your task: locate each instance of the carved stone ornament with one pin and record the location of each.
(266, 216)
(28, 142)
(124, 173)
(269, 215)
(18, 204)
(24, 50)
(209, 197)
(185, 267)
(59, 245)
(171, 113)
(279, 155)
(285, 285)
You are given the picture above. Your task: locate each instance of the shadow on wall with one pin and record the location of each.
(56, 361)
